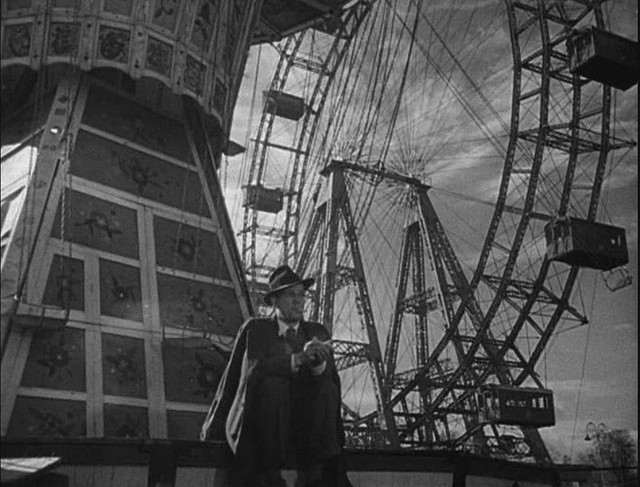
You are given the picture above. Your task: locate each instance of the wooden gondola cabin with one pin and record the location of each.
(264, 199)
(284, 105)
(604, 57)
(586, 243)
(517, 406)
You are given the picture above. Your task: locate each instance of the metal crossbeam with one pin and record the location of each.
(374, 170)
(349, 354)
(275, 233)
(522, 290)
(309, 65)
(279, 146)
(488, 362)
(261, 270)
(438, 372)
(421, 303)
(560, 137)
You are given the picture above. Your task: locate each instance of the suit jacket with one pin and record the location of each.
(257, 353)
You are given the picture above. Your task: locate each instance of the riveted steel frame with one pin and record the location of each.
(482, 358)
(291, 57)
(339, 206)
(536, 291)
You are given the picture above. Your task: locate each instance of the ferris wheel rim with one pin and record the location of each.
(500, 209)
(353, 18)
(548, 330)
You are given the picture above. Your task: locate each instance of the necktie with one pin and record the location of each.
(292, 340)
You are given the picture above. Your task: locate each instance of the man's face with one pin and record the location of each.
(289, 303)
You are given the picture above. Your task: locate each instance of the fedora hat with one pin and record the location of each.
(282, 278)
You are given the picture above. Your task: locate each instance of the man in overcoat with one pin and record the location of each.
(280, 396)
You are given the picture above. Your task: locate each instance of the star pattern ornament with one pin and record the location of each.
(101, 224)
(186, 247)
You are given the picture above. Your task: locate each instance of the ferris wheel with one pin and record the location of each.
(416, 159)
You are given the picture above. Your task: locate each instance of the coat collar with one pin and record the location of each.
(302, 326)
(282, 328)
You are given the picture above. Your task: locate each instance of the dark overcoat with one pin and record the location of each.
(257, 353)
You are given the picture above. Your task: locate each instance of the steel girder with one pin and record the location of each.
(329, 215)
(324, 72)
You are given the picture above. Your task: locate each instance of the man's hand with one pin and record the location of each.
(315, 353)
(318, 351)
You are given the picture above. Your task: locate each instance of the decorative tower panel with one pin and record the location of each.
(122, 288)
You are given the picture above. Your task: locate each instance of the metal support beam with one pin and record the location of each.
(339, 208)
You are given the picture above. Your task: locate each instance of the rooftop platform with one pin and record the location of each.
(116, 463)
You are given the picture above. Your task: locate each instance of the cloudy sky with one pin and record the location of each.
(591, 369)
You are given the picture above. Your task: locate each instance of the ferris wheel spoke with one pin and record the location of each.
(397, 103)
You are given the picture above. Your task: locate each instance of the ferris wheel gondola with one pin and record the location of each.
(365, 133)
